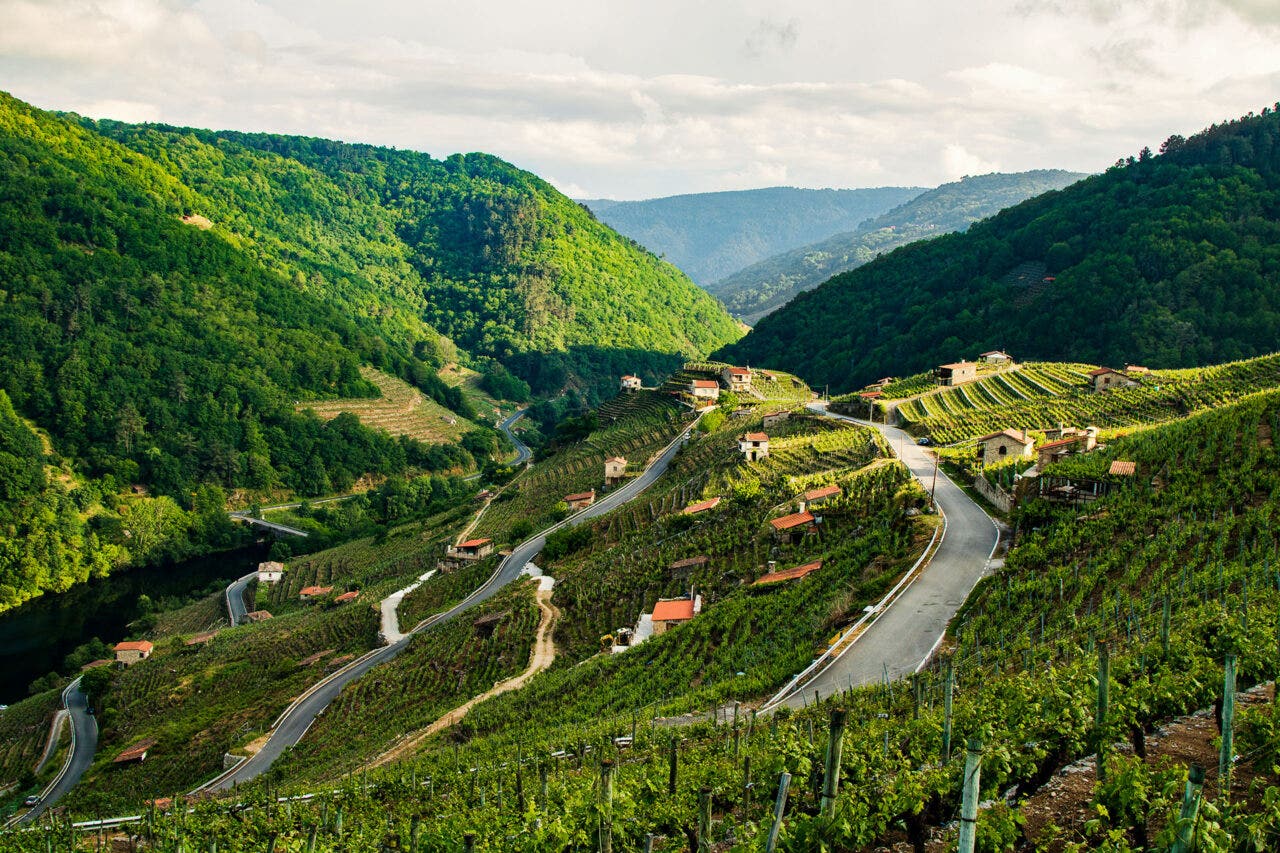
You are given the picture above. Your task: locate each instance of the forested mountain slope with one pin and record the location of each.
(765, 286)
(1172, 260)
(710, 235)
(492, 256)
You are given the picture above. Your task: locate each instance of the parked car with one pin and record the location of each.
(33, 800)
(924, 441)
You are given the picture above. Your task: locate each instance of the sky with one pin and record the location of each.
(626, 99)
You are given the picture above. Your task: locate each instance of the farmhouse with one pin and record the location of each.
(472, 549)
(580, 500)
(1063, 447)
(701, 506)
(309, 592)
(788, 574)
(772, 419)
(347, 596)
(672, 611)
(705, 389)
(132, 651)
(614, 469)
(754, 446)
(957, 373)
(270, 572)
(997, 357)
(1006, 444)
(736, 378)
(629, 383)
(792, 528)
(1104, 379)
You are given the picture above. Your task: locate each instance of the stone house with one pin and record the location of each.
(131, 651)
(615, 468)
(580, 500)
(1105, 379)
(705, 389)
(1056, 450)
(270, 572)
(472, 549)
(673, 611)
(1006, 444)
(629, 383)
(772, 419)
(754, 446)
(736, 378)
(792, 528)
(997, 357)
(309, 592)
(957, 373)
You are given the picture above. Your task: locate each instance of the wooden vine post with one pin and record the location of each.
(831, 773)
(1190, 809)
(948, 698)
(779, 807)
(606, 806)
(969, 796)
(704, 820)
(1100, 716)
(1227, 753)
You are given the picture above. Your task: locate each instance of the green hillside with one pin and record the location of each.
(711, 235)
(492, 256)
(1171, 260)
(767, 285)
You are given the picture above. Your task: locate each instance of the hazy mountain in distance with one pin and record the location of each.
(753, 292)
(710, 235)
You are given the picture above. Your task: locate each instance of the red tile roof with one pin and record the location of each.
(739, 371)
(789, 574)
(134, 646)
(1063, 442)
(870, 395)
(1103, 371)
(621, 459)
(315, 590)
(705, 383)
(755, 436)
(137, 752)
(348, 596)
(1013, 434)
(679, 610)
(1123, 468)
(956, 364)
(580, 496)
(820, 493)
(474, 543)
(794, 520)
(701, 506)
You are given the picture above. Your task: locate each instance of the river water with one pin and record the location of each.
(36, 637)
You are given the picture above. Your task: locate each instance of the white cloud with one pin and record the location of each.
(631, 100)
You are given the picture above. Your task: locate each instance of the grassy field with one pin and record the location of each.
(401, 410)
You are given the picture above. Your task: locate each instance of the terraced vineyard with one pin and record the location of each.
(401, 410)
(634, 425)
(24, 727)
(1043, 395)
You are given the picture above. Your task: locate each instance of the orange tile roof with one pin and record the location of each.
(1009, 433)
(794, 520)
(580, 496)
(621, 459)
(871, 395)
(702, 506)
(705, 383)
(1063, 442)
(315, 590)
(1102, 371)
(474, 543)
(789, 574)
(822, 492)
(258, 615)
(1123, 468)
(739, 371)
(755, 436)
(348, 596)
(134, 646)
(956, 364)
(136, 752)
(678, 610)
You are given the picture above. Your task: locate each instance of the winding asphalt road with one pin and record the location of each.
(235, 599)
(295, 721)
(84, 743)
(909, 630)
(523, 453)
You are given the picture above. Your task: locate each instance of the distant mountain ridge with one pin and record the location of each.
(1169, 260)
(711, 235)
(753, 292)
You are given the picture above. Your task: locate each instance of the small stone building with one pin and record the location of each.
(132, 651)
(957, 373)
(629, 383)
(736, 378)
(796, 573)
(270, 572)
(580, 500)
(1006, 444)
(1106, 379)
(1056, 450)
(472, 549)
(673, 611)
(705, 389)
(754, 446)
(309, 592)
(997, 357)
(772, 419)
(615, 468)
(701, 506)
(792, 528)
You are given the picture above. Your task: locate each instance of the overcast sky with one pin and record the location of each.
(643, 98)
